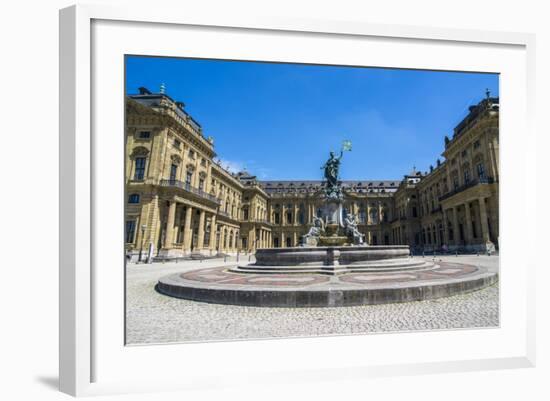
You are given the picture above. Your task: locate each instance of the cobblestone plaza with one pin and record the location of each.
(156, 318)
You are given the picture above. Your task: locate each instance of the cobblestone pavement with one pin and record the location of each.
(155, 318)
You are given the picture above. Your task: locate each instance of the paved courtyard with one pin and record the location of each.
(156, 318)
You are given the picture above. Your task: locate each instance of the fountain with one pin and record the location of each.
(334, 266)
(333, 243)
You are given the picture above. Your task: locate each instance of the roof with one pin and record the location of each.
(153, 100)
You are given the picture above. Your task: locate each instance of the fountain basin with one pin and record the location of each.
(325, 255)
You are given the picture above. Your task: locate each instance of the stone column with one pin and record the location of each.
(200, 237)
(468, 216)
(187, 233)
(213, 233)
(456, 232)
(485, 235)
(282, 216)
(177, 220)
(261, 242)
(169, 239)
(294, 238)
(283, 240)
(445, 228)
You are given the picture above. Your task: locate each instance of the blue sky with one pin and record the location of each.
(279, 121)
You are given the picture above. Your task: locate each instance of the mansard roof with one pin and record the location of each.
(315, 185)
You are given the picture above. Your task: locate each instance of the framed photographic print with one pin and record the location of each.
(342, 193)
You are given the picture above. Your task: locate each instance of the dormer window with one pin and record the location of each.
(144, 134)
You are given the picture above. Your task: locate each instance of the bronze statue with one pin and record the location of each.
(332, 167)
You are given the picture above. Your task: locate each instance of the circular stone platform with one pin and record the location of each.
(225, 285)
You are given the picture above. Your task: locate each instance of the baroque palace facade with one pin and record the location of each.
(181, 202)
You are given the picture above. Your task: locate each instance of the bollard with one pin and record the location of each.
(224, 258)
(422, 253)
(249, 258)
(456, 254)
(237, 256)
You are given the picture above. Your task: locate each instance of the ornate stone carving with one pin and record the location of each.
(176, 159)
(139, 152)
(315, 231)
(350, 223)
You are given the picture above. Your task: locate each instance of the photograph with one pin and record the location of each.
(279, 200)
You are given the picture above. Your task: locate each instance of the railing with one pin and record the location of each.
(473, 183)
(187, 187)
(262, 221)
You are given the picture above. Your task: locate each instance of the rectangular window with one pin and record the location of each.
(133, 198)
(466, 176)
(481, 170)
(130, 231)
(189, 177)
(476, 144)
(201, 184)
(145, 134)
(173, 172)
(139, 173)
(177, 143)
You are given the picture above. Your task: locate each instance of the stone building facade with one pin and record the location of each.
(181, 202)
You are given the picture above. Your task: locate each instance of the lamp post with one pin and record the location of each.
(143, 227)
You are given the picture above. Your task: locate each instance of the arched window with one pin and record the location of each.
(139, 155)
(374, 216)
(362, 215)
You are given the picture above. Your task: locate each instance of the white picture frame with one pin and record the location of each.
(84, 350)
